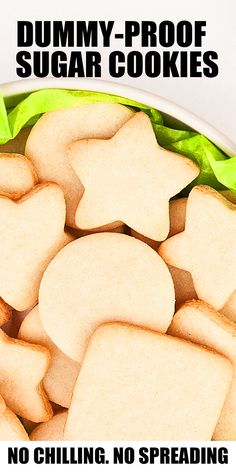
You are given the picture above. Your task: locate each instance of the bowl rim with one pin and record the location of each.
(162, 104)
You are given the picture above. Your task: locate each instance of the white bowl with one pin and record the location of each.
(13, 92)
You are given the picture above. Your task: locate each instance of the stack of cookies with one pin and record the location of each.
(118, 299)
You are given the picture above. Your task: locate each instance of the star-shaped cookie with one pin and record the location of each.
(55, 130)
(11, 428)
(207, 246)
(129, 178)
(22, 369)
(32, 232)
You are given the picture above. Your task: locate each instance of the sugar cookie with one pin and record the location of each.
(183, 282)
(178, 211)
(17, 175)
(182, 279)
(61, 376)
(200, 323)
(206, 248)
(22, 368)
(129, 178)
(53, 430)
(11, 429)
(103, 277)
(177, 214)
(49, 138)
(32, 233)
(146, 386)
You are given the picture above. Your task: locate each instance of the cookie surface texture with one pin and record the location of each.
(129, 178)
(178, 208)
(32, 233)
(49, 138)
(206, 248)
(146, 386)
(103, 277)
(22, 367)
(198, 322)
(11, 429)
(52, 430)
(17, 175)
(62, 373)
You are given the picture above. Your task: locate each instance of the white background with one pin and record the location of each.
(211, 99)
(108, 446)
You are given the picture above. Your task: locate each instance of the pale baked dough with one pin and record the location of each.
(32, 233)
(103, 277)
(22, 369)
(137, 384)
(17, 175)
(53, 430)
(62, 373)
(11, 429)
(198, 322)
(129, 178)
(54, 131)
(206, 248)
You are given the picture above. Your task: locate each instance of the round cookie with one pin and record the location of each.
(103, 277)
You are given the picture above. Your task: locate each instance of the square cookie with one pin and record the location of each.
(137, 384)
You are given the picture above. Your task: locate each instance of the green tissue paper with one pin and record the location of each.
(216, 168)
